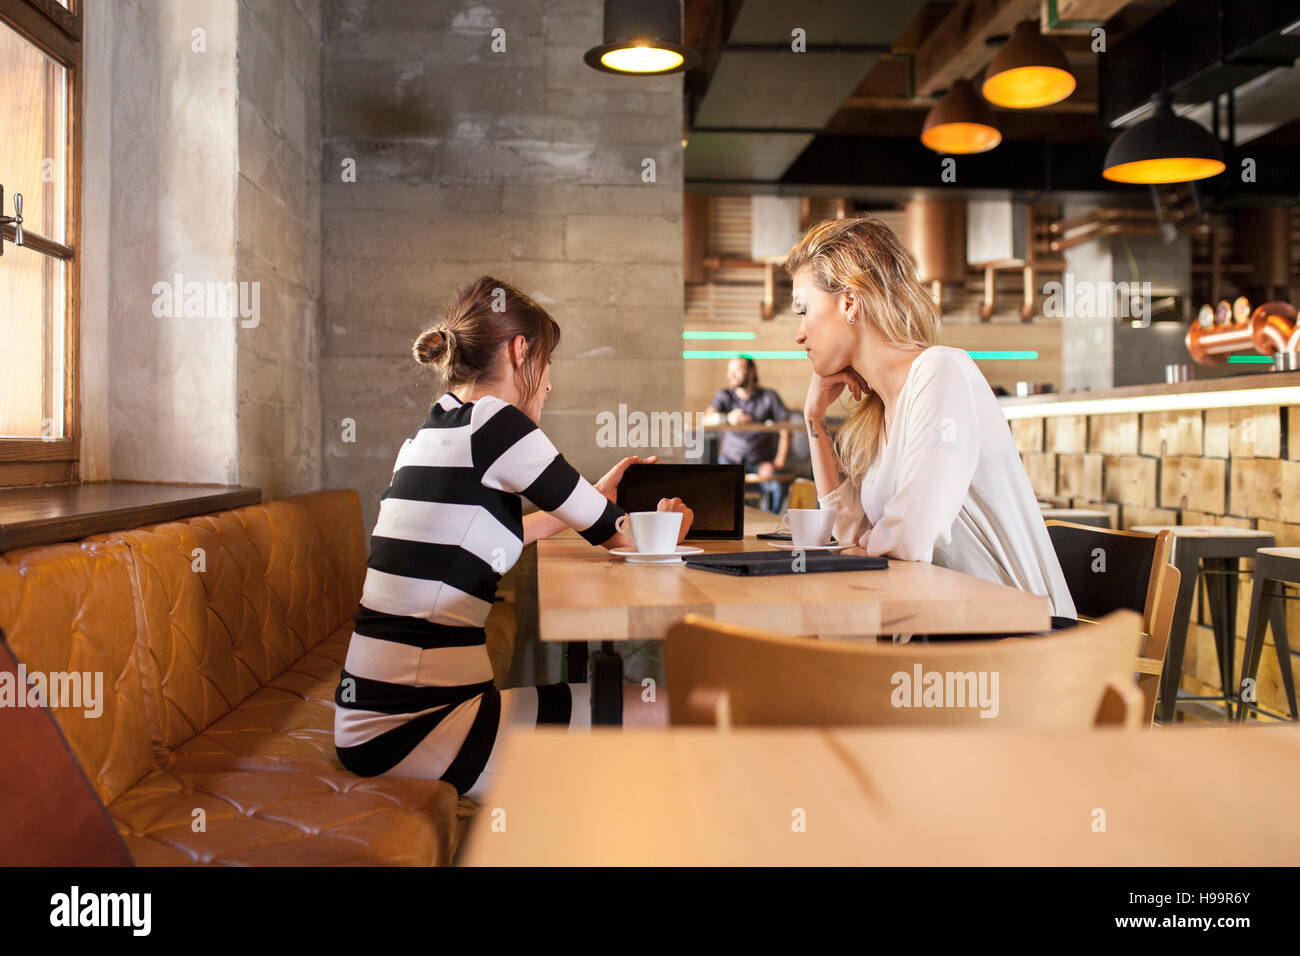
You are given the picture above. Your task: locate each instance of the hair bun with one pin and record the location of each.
(435, 346)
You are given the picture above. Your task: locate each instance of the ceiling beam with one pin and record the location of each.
(957, 48)
(1071, 105)
(783, 48)
(922, 25)
(1035, 125)
(1064, 17)
(851, 164)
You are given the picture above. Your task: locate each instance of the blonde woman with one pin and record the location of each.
(925, 468)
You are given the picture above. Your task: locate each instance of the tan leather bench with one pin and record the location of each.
(220, 639)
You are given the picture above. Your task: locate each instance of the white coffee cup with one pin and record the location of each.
(655, 532)
(809, 527)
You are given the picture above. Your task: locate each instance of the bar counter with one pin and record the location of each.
(1214, 451)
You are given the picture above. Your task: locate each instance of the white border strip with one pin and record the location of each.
(1179, 402)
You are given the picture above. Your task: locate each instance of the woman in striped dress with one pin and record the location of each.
(416, 697)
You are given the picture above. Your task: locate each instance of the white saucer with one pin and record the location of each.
(634, 556)
(812, 547)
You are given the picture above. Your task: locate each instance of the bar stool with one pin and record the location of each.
(1274, 568)
(1097, 519)
(1214, 551)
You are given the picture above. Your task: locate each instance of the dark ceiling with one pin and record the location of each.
(844, 118)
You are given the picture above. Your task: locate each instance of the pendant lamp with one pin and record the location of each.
(960, 123)
(1163, 148)
(642, 37)
(1028, 72)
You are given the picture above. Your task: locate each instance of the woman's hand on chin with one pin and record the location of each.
(823, 390)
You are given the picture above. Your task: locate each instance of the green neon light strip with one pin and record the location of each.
(1250, 360)
(719, 335)
(800, 354)
(755, 354)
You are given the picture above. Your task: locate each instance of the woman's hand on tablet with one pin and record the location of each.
(676, 504)
(608, 485)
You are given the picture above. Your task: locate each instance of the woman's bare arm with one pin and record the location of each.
(825, 463)
(822, 392)
(541, 524)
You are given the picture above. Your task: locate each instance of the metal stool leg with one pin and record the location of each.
(1283, 649)
(1221, 590)
(1261, 602)
(1186, 563)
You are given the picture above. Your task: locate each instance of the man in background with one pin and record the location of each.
(743, 402)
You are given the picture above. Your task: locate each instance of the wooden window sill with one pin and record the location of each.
(45, 515)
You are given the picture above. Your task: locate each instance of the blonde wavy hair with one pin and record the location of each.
(866, 256)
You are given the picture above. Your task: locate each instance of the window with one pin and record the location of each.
(40, 62)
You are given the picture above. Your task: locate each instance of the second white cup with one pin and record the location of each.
(809, 527)
(655, 532)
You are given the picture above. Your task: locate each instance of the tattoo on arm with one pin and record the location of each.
(812, 428)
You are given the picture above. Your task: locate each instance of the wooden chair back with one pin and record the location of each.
(1107, 570)
(724, 675)
(803, 494)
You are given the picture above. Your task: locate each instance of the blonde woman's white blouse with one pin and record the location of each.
(948, 486)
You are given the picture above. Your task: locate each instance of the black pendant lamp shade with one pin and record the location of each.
(642, 37)
(960, 123)
(1029, 72)
(1163, 148)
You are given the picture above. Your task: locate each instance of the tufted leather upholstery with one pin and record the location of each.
(69, 608)
(221, 639)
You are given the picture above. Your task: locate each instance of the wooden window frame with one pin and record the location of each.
(57, 32)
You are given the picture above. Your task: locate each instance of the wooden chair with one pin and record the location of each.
(803, 494)
(1137, 576)
(723, 675)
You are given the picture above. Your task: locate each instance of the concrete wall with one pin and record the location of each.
(202, 159)
(169, 172)
(96, 244)
(278, 245)
(525, 164)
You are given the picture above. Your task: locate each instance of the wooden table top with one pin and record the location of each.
(585, 593)
(692, 796)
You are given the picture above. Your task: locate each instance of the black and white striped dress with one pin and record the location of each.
(415, 698)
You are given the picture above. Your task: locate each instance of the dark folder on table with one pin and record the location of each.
(755, 563)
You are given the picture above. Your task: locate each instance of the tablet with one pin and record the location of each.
(716, 493)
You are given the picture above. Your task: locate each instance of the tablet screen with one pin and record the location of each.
(716, 493)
